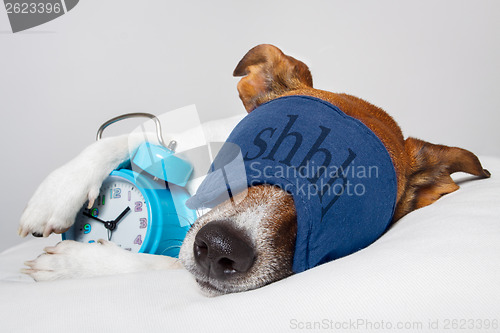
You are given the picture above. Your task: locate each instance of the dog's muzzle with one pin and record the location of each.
(221, 251)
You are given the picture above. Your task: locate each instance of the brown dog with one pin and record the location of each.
(423, 169)
(261, 245)
(242, 246)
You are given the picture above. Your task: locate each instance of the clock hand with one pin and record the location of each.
(110, 225)
(93, 217)
(122, 215)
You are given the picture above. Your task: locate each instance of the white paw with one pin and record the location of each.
(70, 259)
(56, 202)
(62, 194)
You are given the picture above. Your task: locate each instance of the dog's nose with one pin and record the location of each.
(222, 251)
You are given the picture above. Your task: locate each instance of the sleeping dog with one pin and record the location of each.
(270, 231)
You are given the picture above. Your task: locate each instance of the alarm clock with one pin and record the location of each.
(141, 206)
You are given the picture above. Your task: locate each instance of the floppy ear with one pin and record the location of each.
(269, 73)
(429, 174)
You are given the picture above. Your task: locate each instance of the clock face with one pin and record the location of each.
(119, 214)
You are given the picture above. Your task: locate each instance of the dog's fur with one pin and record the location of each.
(265, 218)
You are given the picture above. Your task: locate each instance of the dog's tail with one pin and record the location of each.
(269, 73)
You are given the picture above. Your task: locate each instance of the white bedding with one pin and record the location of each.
(437, 269)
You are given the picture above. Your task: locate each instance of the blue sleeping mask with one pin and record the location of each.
(338, 171)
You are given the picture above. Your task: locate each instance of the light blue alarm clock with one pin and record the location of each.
(140, 207)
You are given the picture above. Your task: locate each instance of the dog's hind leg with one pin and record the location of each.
(70, 259)
(429, 173)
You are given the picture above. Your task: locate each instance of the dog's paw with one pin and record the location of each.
(63, 193)
(55, 203)
(70, 259)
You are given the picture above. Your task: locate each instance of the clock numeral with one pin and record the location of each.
(138, 240)
(138, 206)
(143, 223)
(116, 193)
(87, 228)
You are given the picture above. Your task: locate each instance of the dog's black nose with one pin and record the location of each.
(222, 251)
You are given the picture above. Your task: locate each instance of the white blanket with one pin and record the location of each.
(437, 269)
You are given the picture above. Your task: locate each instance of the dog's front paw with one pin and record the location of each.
(55, 203)
(62, 194)
(70, 259)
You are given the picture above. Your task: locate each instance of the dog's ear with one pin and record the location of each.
(269, 73)
(429, 176)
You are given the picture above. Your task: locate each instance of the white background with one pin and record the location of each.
(433, 65)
